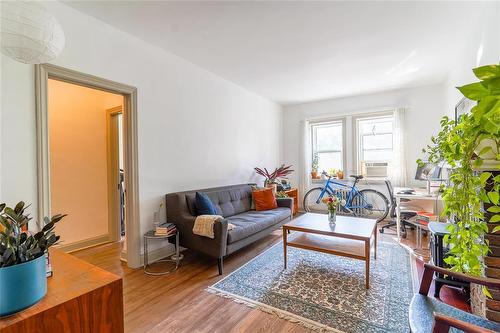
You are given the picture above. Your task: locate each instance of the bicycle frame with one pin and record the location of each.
(352, 192)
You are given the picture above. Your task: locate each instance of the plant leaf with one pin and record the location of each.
(493, 197)
(474, 91)
(495, 218)
(484, 177)
(487, 72)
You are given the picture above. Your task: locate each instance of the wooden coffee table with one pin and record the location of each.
(350, 237)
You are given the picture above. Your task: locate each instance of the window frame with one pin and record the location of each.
(342, 122)
(357, 135)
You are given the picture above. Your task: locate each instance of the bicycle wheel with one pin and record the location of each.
(310, 198)
(370, 204)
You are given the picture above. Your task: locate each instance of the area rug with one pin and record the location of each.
(326, 292)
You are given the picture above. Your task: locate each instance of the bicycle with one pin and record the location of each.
(366, 203)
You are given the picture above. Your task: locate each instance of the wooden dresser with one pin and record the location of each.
(294, 193)
(80, 298)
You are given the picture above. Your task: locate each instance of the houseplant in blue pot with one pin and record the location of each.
(23, 279)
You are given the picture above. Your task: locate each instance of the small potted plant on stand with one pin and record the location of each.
(314, 166)
(332, 202)
(23, 280)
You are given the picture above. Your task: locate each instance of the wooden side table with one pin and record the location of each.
(294, 193)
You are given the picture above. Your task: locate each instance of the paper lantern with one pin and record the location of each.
(29, 33)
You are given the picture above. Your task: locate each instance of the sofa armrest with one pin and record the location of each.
(215, 247)
(285, 202)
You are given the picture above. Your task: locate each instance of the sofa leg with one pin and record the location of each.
(220, 264)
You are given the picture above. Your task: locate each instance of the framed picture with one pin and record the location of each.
(462, 107)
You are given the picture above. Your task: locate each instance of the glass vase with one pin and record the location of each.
(332, 216)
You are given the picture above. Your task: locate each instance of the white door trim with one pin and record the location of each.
(42, 74)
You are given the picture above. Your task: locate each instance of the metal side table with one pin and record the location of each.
(150, 235)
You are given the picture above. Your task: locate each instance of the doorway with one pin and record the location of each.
(119, 130)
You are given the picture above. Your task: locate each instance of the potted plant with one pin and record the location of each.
(23, 280)
(315, 166)
(271, 179)
(466, 194)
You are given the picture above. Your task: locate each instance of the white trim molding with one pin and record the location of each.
(45, 72)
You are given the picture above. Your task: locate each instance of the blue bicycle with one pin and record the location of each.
(366, 203)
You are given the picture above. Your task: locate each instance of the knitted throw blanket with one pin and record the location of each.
(204, 225)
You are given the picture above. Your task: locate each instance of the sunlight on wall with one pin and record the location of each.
(78, 165)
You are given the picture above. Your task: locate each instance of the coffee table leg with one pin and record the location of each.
(285, 233)
(367, 264)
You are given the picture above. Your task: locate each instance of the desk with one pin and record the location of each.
(418, 195)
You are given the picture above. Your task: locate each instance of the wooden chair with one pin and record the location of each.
(428, 314)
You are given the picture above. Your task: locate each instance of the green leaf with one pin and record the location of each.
(485, 150)
(495, 229)
(478, 162)
(19, 207)
(487, 72)
(493, 197)
(495, 218)
(494, 209)
(484, 177)
(474, 91)
(486, 292)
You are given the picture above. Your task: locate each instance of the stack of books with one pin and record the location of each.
(166, 229)
(425, 217)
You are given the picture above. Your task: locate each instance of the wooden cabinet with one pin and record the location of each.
(80, 298)
(294, 193)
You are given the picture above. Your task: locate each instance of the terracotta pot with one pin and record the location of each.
(314, 174)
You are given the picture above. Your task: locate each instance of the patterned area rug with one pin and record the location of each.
(326, 292)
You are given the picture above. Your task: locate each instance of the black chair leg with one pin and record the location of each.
(220, 264)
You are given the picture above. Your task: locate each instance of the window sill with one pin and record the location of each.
(364, 181)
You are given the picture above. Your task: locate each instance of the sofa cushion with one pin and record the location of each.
(264, 199)
(204, 205)
(251, 222)
(422, 318)
(227, 201)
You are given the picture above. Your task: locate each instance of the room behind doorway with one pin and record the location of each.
(84, 148)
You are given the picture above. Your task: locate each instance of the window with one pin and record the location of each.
(327, 142)
(375, 145)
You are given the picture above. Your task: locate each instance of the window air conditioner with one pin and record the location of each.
(374, 169)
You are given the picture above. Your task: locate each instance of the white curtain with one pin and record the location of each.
(305, 159)
(398, 172)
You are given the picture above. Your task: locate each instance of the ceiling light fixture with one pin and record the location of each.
(29, 33)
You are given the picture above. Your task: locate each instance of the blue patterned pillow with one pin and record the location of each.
(203, 205)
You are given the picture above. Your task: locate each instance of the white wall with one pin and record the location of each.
(195, 129)
(481, 47)
(426, 107)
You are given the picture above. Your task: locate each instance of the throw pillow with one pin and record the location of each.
(203, 205)
(264, 199)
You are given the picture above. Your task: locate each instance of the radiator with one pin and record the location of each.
(343, 195)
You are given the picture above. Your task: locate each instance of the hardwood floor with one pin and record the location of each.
(178, 303)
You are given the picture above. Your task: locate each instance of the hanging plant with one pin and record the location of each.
(466, 195)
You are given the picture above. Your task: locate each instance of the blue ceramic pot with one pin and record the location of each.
(22, 285)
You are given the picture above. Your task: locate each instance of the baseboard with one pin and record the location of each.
(84, 243)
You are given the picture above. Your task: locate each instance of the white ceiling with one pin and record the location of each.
(293, 52)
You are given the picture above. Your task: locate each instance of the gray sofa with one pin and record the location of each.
(234, 204)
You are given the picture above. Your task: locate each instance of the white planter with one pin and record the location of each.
(490, 155)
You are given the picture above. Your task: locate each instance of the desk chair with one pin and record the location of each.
(405, 214)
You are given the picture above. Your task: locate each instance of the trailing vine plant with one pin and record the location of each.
(469, 191)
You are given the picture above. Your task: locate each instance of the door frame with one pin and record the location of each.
(43, 73)
(112, 157)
